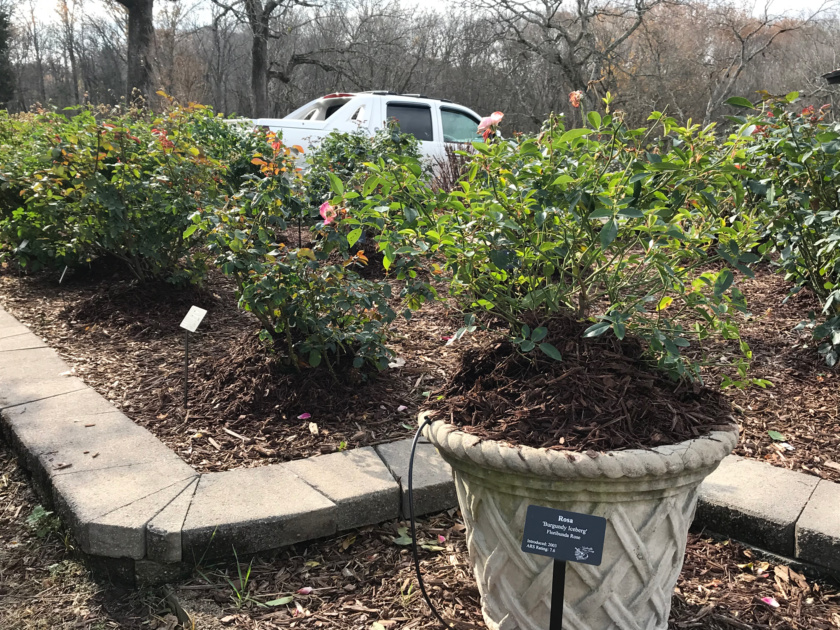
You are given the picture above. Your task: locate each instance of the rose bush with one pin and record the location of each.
(93, 186)
(792, 170)
(313, 310)
(598, 223)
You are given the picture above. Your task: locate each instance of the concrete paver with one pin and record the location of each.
(253, 509)
(76, 432)
(21, 341)
(34, 374)
(357, 481)
(432, 485)
(163, 531)
(754, 502)
(85, 499)
(818, 529)
(122, 533)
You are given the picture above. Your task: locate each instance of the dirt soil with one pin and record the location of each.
(359, 581)
(125, 342)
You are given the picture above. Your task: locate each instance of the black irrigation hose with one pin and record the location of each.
(426, 422)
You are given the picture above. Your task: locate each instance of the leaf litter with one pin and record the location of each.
(356, 587)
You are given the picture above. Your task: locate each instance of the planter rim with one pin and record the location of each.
(673, 459)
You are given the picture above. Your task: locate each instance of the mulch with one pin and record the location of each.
(125, 342)
(601, 396)
(357, 580)
(803, 402)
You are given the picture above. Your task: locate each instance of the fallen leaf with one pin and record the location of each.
(281, 602)
(775, 435)
(404, 538)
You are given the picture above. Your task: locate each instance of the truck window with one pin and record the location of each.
(413, 119)
(458, 126)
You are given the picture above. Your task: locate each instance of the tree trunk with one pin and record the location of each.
(39, 62)
(68, 22)
(141, 37)
(259, 63)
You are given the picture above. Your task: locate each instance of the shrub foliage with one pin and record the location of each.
(639, 232)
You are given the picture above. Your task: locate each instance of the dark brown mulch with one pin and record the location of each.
(126, 343)
(124, 340)
(601, 396)
(357, 579)
(803, 402)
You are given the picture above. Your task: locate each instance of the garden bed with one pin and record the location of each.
(125, 342)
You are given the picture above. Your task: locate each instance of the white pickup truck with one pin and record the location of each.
(434, 122)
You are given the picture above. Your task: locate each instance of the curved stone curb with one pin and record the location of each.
(143, 515)
(140, 514)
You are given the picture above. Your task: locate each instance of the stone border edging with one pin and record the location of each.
(145, 516)
(141, 514)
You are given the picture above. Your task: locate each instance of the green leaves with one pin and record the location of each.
(354, 236)
(119, 186)
(336, 184)
(550, 351)
(723, 282)
(403, 539)
(739, 101)
(597, 329)
(574, 134)
(608, 233)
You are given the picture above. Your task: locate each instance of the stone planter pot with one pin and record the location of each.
(647, 496)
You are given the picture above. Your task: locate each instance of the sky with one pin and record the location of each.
(46, 8)
(777, 6)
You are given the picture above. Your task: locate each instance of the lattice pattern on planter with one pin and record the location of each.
(631, 590)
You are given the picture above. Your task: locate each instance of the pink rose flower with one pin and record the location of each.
(488, 124)
(328, 213)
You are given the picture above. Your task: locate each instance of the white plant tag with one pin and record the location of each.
(193, 318)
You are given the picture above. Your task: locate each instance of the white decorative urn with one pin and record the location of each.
(648, 498)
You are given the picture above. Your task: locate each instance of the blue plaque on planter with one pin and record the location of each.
(565, 536)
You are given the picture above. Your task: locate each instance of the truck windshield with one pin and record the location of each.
(319, 109)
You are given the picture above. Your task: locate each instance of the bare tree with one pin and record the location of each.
(569, 38)
(67, 15)
(258, 15)
(140, 51)
(7, 77)
(749, 37)
(34, 29)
